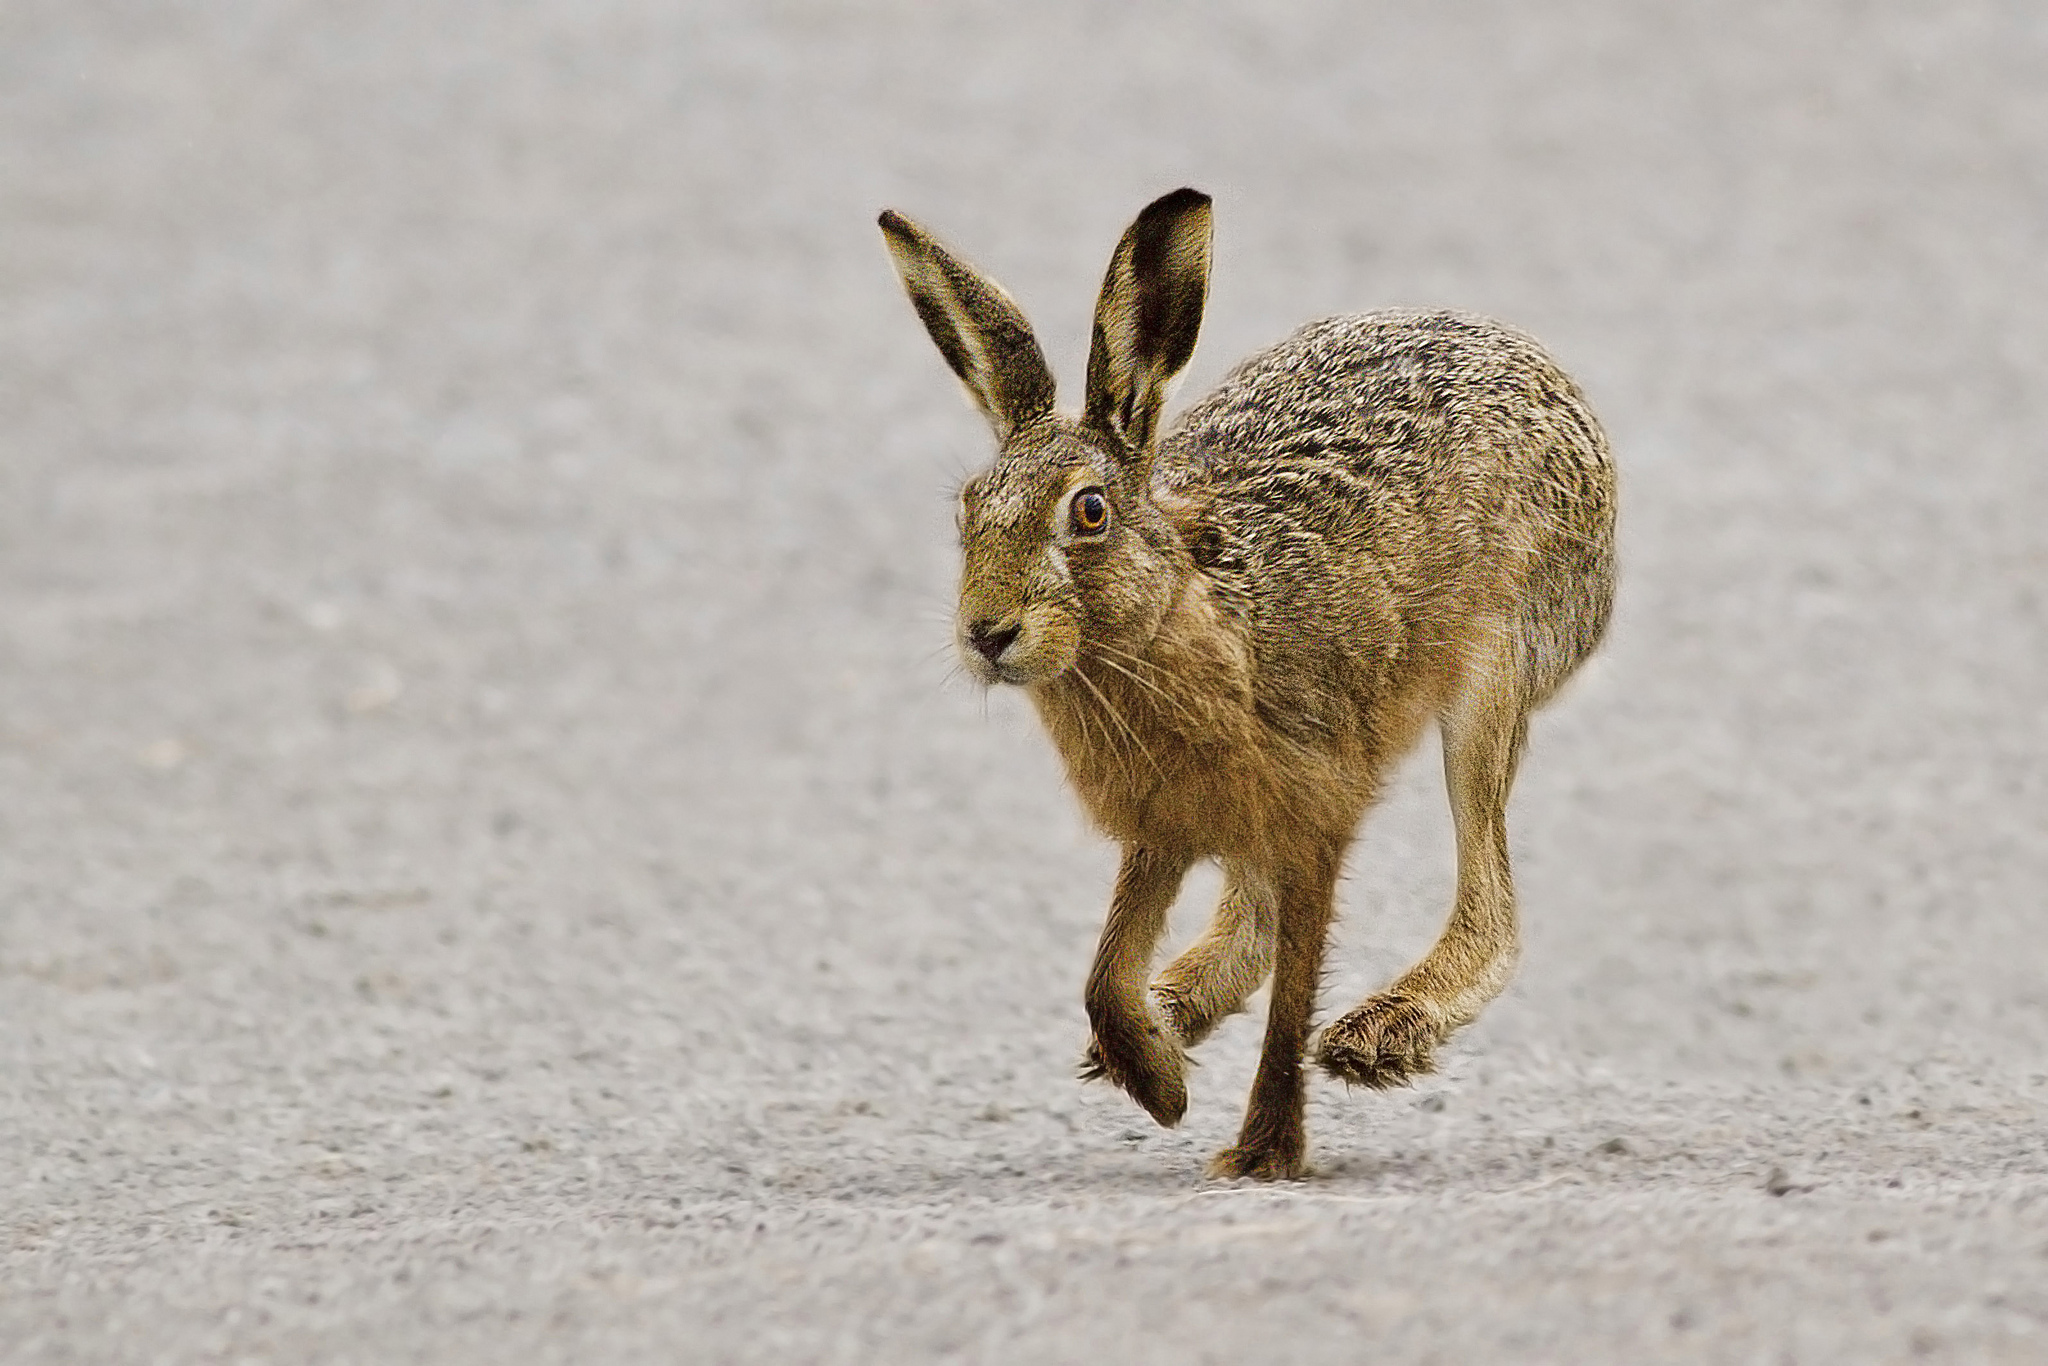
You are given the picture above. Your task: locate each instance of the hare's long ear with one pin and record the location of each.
(1147, 319)
(978, 328)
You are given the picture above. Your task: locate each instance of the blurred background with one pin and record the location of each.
(493, 851)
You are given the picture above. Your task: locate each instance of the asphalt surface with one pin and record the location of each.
(494, 863)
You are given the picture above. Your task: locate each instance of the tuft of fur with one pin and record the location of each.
(1385, 520)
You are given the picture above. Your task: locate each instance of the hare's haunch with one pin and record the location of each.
(1235, 628)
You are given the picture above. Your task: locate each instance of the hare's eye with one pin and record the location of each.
(1091, 512)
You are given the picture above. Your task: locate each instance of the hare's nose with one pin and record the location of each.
(991, 639)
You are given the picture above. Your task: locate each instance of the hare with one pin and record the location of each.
(1234, 629)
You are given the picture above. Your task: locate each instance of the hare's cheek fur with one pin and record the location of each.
(1047, 646)
(1124, 590)
(1022, 639)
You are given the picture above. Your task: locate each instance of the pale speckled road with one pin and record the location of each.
(493, 865)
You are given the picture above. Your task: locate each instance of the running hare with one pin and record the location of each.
(1235, 629)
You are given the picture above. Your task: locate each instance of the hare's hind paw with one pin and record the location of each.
(1258, 1164)
(1388, 1041)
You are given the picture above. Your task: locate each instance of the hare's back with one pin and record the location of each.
(1431, 417)
(1391, 391)
(1442, 456)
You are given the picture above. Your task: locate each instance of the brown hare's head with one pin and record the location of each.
(1064, 549)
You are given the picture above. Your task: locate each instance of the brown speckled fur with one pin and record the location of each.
(1384, 520)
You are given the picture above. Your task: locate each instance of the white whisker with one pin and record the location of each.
(1159, 692)
(1117, 717)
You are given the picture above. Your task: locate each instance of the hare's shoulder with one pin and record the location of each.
(1345, 413)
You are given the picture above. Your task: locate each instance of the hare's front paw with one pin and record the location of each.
(1258, 1163)
(1146, 1063)
(1388, 1041)
(1167, 1012)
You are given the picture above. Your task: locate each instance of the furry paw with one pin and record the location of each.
(1260, 1164)
(1388, 1041)
(1169, 1012)
(1146, 1064)
(1154, 1081)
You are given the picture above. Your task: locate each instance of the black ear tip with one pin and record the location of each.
(899, 229)
(1183, 200)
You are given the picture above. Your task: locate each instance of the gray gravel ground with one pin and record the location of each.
(494, 866)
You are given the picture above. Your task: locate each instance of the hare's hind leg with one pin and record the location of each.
(1391, 1037)
(1212, 977)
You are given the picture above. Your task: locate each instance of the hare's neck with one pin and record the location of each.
(1128, 721)
(1107, 731)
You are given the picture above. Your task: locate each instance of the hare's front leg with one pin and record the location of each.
(1134, 1049)
(1213, 976)
(1211, 979)
(1391, 1037)
(1273, 1145)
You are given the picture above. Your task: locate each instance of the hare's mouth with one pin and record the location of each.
(1020, 659)
(990, 672)
(995, 650)
(1023, 648)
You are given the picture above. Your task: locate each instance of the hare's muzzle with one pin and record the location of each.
(990, 638)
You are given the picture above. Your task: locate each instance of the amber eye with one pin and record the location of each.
(1091, 512)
